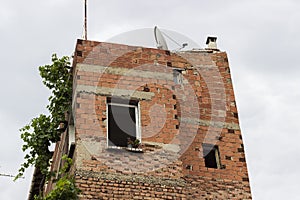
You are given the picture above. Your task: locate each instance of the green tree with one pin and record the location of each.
(42, 131)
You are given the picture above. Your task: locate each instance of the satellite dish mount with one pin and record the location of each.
(161, 42)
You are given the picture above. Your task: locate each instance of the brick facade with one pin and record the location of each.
(185, 100)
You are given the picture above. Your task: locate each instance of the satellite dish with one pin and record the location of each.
(160, 40)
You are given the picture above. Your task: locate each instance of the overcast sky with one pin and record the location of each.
(262, 39)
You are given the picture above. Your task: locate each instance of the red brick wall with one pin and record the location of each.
(176, 119)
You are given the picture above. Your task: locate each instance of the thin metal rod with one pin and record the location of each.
(171, 39)
(85, 19)
(7, 175)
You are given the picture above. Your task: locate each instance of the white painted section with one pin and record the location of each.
(71, 135)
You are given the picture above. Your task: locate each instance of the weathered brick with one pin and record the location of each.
(167, 112)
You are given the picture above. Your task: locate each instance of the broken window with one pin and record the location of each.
(123, 122)
(211, 156)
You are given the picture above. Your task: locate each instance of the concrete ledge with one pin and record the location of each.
(127, 72)
(200, 122)
(104, 91)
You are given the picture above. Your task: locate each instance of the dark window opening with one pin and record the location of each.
(122, 122)
(189, 167)
(79, 53)
(177, 76)
(211, 156)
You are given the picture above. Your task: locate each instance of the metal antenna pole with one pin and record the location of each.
(85, 19)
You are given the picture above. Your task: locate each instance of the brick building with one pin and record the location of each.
(153, 124)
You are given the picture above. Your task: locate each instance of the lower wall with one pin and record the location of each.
(97, 185)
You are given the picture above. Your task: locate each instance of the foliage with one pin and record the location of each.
(42, 131)
(65, 188)
(37, 141)
(57, 78)
(134, 143)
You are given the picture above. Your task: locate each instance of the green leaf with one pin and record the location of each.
(41, 131)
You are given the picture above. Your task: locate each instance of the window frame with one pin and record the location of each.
(137, 119)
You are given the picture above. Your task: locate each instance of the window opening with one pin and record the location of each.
(211, 156)
(123, 122)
